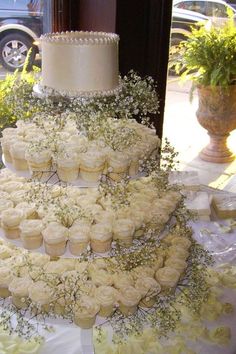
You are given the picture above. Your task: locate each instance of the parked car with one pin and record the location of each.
(21, 23)
(182, 23)
(216, 10)
(232, 3)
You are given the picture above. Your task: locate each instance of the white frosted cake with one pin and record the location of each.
(80, 63)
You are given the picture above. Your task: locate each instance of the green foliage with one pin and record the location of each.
(208, 56)
(16, 100)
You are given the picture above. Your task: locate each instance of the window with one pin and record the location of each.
(197, 6)
(216, 10)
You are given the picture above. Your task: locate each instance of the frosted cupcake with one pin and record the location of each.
(29, 209)
(101, 277)
(92, 164)
(17, 152)
(134, 162)
(101, 238)
(178, 251)
(123, 280)
(5, 204)
(123, 231)
(167, 277)
(85, 312)
(138, 217)
(19, 288)
(176, 263)
(38, 160)
(104, 217)
(41, 296)
(68, 167)
(11, 219)
(142, 272)
(129, 298)
(118, 165)
(55, 237)
(55, 267)
(106, 297)
(183, 242)
(18, 196)
(31, 233)
(6, 252)
(79, 237)
(149, 288)
(12, 186)
(5, 279)
(6, 143)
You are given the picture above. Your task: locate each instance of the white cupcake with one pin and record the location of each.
(149, 288)
(55, 237)
(134, 162)
(182, 242)
(41, 296)
(123, 231)
(6, 252)
(11, 219)
(12, 186)
(106, 297)
(142, 272)
(17, 152)
(9, 132)
(178, 251)
(85, 312)
(18, 196)
(167, 277)
(79, 237)
(123, 280)
(19, 288)
(40, 160)
(5, 279)
(68, 167)
(31, 233)
(5, 204)
(92, 164)
(101, 277)
(118, 165)
(105, 216)
(54, 267)
(6, 143)
(4, 195)
(29, 209)
(138, 217)
(101, 238)
(129, 299)
(179, 264)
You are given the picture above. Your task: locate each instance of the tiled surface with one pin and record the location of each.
(188, 137)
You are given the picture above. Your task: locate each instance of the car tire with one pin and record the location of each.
(175, 40)
(14, 48)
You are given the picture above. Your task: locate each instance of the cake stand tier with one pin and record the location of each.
(48, 177)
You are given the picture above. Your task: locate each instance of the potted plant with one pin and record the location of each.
(208, 58)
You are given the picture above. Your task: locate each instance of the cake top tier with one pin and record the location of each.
(81, 37)
(80, 63)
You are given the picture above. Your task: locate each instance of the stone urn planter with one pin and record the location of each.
(217, 114)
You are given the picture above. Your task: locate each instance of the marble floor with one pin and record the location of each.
(188, 138)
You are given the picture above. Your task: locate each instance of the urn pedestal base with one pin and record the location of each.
(217, 114)
(217, 151)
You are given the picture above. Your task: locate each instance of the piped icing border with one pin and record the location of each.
(80, 38)
(46, 91)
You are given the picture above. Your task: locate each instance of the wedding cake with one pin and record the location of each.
(80, 63)
(105, 226)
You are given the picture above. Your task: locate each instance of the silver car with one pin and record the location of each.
(215, 10)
